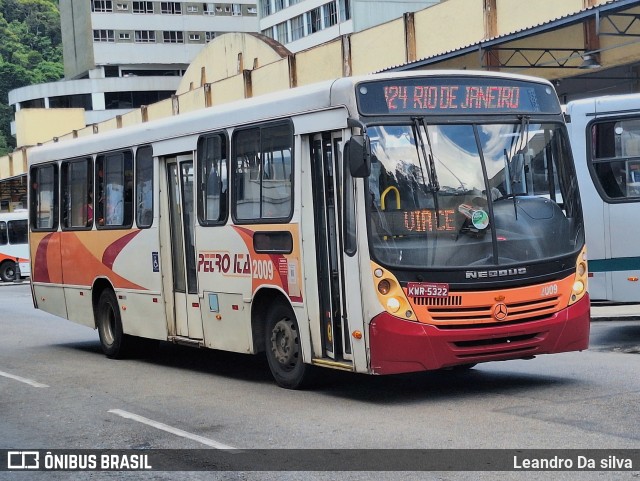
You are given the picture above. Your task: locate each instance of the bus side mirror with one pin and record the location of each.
(357, 154)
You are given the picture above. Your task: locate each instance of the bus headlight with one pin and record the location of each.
(393, 304)
(579, 287)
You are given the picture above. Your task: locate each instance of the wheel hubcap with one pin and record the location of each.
(285, 343)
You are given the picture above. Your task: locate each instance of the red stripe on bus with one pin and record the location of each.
(111, 253)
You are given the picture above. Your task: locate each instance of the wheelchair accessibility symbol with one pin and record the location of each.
(156, 262)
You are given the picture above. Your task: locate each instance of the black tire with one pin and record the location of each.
(7, 271)
(115, 344)
(464, 367)
(283, 348)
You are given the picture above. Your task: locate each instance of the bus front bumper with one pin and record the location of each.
(398, 346)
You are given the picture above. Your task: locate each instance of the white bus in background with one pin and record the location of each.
(14, 244)
(605, 138)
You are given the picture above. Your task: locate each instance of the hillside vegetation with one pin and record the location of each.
(30, 53)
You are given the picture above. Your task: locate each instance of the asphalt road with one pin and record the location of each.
(181, 398)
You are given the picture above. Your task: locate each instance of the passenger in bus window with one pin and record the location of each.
(89, 210)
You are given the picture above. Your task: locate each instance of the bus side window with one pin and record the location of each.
(144, 187)
(212, 177)
(44, 197)
(3, 233)
(18, 232)
(114, 185)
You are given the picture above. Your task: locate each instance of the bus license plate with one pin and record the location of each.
(427, 289)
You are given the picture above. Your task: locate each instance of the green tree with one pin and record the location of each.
(30, 52)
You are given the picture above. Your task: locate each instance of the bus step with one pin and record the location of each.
(341, 365)
(185, 341)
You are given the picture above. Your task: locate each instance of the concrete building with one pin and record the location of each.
(303, 24)
(586, 47)
(122, 54)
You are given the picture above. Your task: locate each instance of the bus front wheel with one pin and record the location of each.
(112, 339)
(282, 344)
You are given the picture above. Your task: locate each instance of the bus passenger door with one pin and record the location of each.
(180, 198)
(332, 276)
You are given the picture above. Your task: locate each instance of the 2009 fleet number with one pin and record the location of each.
(262, 269)
(550, 290)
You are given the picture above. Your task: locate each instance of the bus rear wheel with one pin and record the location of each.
(282, 344)
(7, 271)
(113, 340)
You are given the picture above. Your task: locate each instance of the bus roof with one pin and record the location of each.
(605, 105)
(332, 93)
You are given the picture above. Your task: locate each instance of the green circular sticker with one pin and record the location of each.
(480, 219)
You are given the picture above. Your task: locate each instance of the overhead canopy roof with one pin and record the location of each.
(596, 44)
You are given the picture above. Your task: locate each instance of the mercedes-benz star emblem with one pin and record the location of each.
(500, 311)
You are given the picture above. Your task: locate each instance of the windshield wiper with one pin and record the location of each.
(521, 147)
(434, 185)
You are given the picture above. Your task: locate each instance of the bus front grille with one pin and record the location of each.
(449, 311)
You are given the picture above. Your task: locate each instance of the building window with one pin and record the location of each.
(265, 7)
(208, 36)
(252, 11)
(142, 7)
(192, 9)
(74, 101)
(172, 8)
(281, 32)
(330, 14)
(345, 10)
(101, 6)
(194, 37)
(209, 8)
(236, 9)
(297, 28)
(103, 36)
(314, 20)
(122, 6)
(145, 36)
(124, 36)
(172, 36)
(268, 32)
(280, 4)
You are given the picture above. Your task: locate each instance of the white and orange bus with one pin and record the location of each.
(380, 224)
(14, 244)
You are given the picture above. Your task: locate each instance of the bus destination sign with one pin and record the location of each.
(450, 96)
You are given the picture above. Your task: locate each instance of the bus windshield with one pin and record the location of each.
(454, 195)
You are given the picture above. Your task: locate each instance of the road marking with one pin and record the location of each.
(30, 382)
(170, 429)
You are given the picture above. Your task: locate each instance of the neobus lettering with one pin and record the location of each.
(495, 273)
